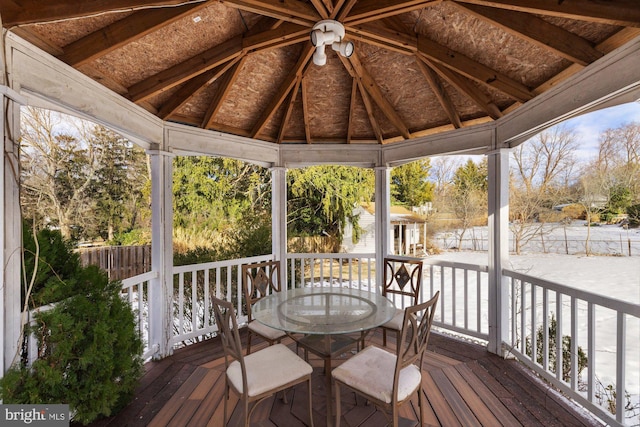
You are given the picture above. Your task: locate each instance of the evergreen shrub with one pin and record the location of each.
(89, 349)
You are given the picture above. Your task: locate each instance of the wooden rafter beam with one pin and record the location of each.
(305, 110)
(293, 11)
(218, 55)
(438, 89)
(352, 107)
(192, 87)
(322, 8)
(127, 30)
(474, 70)
(370, 85)
(35, 11)
(368, 105)
(538, 31)
(283, 35)
(342, 9)
(407, 44)
(287, 114)
(613, 12)
(284, 89)
(186, 70)
(374, 10)
(366, 101)
(386, 38)
(226, 83)
(466, 88)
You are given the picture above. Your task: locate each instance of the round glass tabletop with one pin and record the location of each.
(323, 310)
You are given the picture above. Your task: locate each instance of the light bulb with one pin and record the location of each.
(344, 48)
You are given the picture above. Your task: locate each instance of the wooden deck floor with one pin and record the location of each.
(464, 385)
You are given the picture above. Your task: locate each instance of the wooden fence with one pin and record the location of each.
(120, 262)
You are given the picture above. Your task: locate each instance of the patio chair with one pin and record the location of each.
(260, 375)
(258, 281)
(402, 277)
(386, 379)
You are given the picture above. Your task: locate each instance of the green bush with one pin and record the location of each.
(89, 347)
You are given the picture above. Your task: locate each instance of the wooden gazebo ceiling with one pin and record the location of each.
(245, 66)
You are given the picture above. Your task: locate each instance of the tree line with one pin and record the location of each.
(92, 184)
(549, 183)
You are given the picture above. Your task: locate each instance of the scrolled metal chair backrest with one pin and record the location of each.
(225, 318)
(415, 332)
(403, 276)
(259, 280)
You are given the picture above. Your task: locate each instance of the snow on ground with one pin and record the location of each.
(571, 238)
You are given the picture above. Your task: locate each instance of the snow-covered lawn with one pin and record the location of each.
(607, 239)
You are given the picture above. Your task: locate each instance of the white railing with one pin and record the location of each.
(464, 296)
(192, 287)
(345, 270)
(136, 289)
(599, 335)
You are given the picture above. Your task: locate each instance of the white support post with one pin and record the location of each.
(279, 219)
(10, 321)
(498, 249)
(161, 288)
(383, 219)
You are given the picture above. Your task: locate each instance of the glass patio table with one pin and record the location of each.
(321, 319)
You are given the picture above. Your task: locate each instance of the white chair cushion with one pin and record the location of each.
(371, 372)
(396, 321)
(268, 369)
(266, 331)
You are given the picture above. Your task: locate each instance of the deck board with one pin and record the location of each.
(464, 385)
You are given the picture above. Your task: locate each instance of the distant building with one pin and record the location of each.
(597, 201)
(408, 231)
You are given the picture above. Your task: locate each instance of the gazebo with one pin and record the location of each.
(292, 83)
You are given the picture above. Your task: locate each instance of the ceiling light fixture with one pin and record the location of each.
(329, 32)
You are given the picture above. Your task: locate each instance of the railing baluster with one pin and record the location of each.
(206, 321)
(180, 303)
(621, 346)
(442, 295)
(591, 351)
(545, 329)
(534, 335)
(514, 314)
(453, 296)
(523, 317)
(559, 366)
(479, 302)
(238, 287)
(218, 284)
(466, 299)
(574, 344)
(331, 271)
